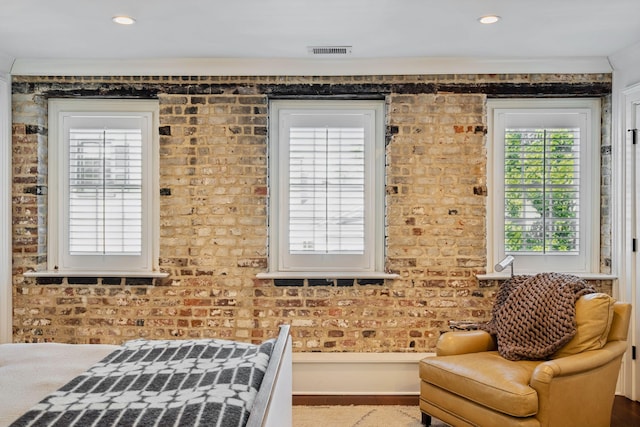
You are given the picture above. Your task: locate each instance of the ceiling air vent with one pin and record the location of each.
(329, 50)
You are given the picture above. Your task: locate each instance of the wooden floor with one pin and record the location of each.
(626, 413)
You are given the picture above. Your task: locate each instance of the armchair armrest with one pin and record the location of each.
(594, 373)
(577, 363)
(461, 342)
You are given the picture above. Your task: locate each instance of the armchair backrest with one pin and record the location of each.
(599, 319)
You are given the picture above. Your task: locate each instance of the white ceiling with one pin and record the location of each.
(38, 32)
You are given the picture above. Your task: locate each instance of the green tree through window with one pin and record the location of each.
(542, 190)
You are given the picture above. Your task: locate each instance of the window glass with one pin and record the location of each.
(542, 190)
(105, 191)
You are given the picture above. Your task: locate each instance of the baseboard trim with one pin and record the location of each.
(345, 400)
(357, 374)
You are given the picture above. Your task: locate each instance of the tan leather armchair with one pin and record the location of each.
(468, 383)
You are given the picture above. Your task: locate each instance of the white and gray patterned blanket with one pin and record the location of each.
(160, 383)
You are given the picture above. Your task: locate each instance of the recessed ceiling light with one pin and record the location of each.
(123, 20)
(489, 19)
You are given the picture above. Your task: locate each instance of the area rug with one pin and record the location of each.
(359, 416)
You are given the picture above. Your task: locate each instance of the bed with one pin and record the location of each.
(147, 382)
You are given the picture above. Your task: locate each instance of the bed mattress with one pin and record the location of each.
(30, 372)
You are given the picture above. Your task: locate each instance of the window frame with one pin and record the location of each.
(374, 191)
(58, 258)
(6, 235)
(587, 260)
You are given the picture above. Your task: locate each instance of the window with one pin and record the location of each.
(326, 187)
(103, 159)
(544, 206)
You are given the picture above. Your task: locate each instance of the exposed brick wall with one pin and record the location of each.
(213, 215)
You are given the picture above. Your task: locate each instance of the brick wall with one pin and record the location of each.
(213, 214)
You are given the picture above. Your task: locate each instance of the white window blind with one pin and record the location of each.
(105, 191)
(326, 186)
(326, 190)
(542, 190)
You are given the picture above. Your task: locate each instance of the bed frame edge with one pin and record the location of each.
(262, 402)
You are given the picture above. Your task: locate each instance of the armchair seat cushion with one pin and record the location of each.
(487, 379)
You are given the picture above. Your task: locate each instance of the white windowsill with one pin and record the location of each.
(586, 276)
(57, 273)
(326, 275)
